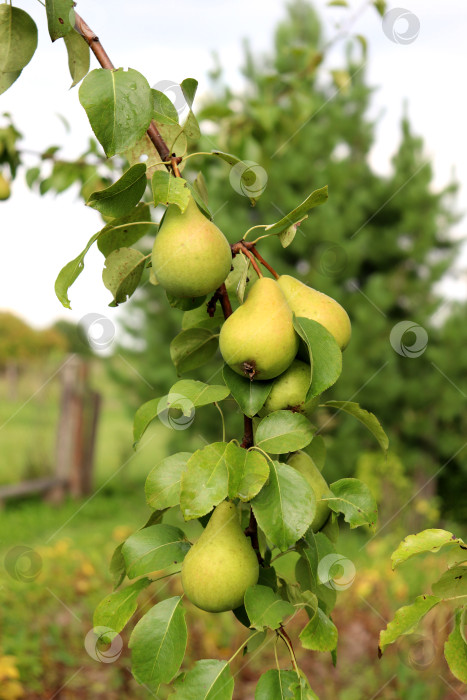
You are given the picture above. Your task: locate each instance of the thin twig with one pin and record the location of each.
(171, 161)
(263, 262)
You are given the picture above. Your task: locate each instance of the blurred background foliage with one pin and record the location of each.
(380, 246)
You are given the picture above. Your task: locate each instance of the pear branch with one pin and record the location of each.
(170, 159)
(247, 248)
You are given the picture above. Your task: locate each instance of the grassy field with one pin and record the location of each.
(44, 621)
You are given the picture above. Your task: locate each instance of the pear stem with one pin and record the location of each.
(283, 634)
(263, 262)
(99, 52)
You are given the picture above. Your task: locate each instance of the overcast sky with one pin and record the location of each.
(39, 235)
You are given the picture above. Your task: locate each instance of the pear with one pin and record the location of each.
(5, 190)
(258, 340)
(221, 565)
(289, 391)
(191, 257)
(309, 303)
(304, 464)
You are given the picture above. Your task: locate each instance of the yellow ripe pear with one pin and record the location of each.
(258, 340)
(221, 565)
(289, 391)
(309, 303)
(5, 190)
(304, 464)
(191, 257)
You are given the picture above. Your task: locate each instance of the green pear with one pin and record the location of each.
(309, 303)
(304, 464)
(5, 190)
(221, 565)
(258, 340)
(191, 257)
(289, 391)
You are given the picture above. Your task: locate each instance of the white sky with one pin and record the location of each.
(39, 235)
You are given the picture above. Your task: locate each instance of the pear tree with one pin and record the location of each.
(260, 496)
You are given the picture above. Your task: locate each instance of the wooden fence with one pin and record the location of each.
(75, 443)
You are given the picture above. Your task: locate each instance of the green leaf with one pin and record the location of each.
(285, 506)
(320, 633)
(381, 7)
(250, 396)
(162, 486)
(18, 40)
(191, 127)
(254, 642)
(287, 236)
(354, 499)
(325, 355)
(283, 431)
(185, 304)
(168, 189)
(276, 685)
(117, 566)
(266, 608)
(119, 106)
(317, 548)
(118, 199)
(338, 3)
(78, 56)
(154, 548)
(406, 620)
(248, 472)
(452, 585)
(116, 609)
(199, 194)
(116, 235)
(199, 393)
(209, 679)
(227, 157)
(60, 17)
(164, 110)
(158, 643)
(7, 79)
(189, 87)
(122, 273)
(69, 274)
(204, 481)
(426, 541)
(313, 200)
(368, 419)
(455, 650)
(192, 348)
